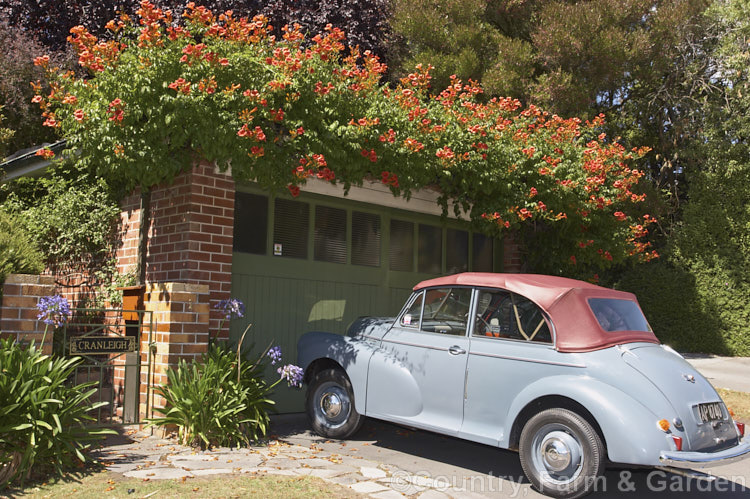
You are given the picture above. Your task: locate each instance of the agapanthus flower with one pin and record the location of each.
(231, 307)
(53, 310)
(292, 374)
(275, 355)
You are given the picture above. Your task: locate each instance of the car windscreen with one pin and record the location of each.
(618, 315)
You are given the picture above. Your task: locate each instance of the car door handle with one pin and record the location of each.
(456, 350)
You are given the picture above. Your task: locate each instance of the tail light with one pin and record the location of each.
(677, 442)
(740, 428)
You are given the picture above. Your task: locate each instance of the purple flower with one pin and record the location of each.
(53, 310)
(292, 374)
(231, 307)
(275, 355)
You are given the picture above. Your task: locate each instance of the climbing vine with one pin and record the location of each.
(159, 95)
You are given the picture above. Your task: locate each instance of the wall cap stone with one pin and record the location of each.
(177, 287)
(30, 279)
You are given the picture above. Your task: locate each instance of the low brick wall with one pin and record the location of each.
(21, 292)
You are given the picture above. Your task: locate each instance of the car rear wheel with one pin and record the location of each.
(561, 454)
(330, 405)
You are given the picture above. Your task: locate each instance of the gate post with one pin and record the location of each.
(181, 316)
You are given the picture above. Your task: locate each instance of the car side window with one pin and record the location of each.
(446, 310)
(502, 314)
(412, 314)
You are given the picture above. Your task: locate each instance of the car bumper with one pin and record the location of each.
(686, 459)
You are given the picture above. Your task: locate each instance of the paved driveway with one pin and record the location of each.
(723, 372)
(450, 467)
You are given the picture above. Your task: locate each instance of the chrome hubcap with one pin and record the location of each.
(331, 405)
(557, 454)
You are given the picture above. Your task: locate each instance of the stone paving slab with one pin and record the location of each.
(213, 471)
(368, 487)
(387, 494)
(152, 458)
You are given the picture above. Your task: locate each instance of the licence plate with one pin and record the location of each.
(710, 412)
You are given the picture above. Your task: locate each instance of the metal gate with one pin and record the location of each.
(117, 350)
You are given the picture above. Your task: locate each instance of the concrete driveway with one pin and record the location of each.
(450, 467)
(723, 372)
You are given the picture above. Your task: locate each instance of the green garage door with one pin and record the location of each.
(316, 263)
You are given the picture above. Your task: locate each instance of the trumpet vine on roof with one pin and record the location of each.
(159, 95)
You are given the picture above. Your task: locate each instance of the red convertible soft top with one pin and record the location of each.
(563, 299)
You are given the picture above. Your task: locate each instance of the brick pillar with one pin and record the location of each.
(21, 292)
(190, 233)
(512, 257)
(181, 317)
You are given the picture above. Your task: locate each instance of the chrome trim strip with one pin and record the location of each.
(368, 337)
(406, 343)
(522, 359)
(688, 459)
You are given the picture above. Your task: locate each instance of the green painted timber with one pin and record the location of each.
(287, 297)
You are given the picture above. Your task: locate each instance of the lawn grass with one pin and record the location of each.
(739, 402)
(99, 485)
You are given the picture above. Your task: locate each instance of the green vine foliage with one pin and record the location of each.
(18, 252)
(162, 94)
(70, 216)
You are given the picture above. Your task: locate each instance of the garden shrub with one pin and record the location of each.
(71, 216)
(693, 307)
(219, 400)
(18, 254)
(44, 420)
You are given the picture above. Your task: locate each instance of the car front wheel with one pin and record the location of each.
(561, 454)
(330, 405)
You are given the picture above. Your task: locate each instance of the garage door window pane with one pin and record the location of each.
(250, 223)
(290, 228)
(456, 251)
(482, 253)
(430, 249)
(330, 234)
(401, 251)
(365, 239)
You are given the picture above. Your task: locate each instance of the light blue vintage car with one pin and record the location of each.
(567, 373)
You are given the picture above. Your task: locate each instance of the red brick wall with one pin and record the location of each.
(18, 320)
(512, 256)
(130, 224)
(190, 233)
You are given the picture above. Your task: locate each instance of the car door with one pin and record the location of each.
(511, 348)
(417, 376)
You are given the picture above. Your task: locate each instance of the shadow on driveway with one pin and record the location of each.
(478, 470)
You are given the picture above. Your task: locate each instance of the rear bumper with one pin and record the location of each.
(685, 459)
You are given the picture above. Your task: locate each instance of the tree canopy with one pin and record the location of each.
(20, 126)
(641, 62)
(161, 95)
